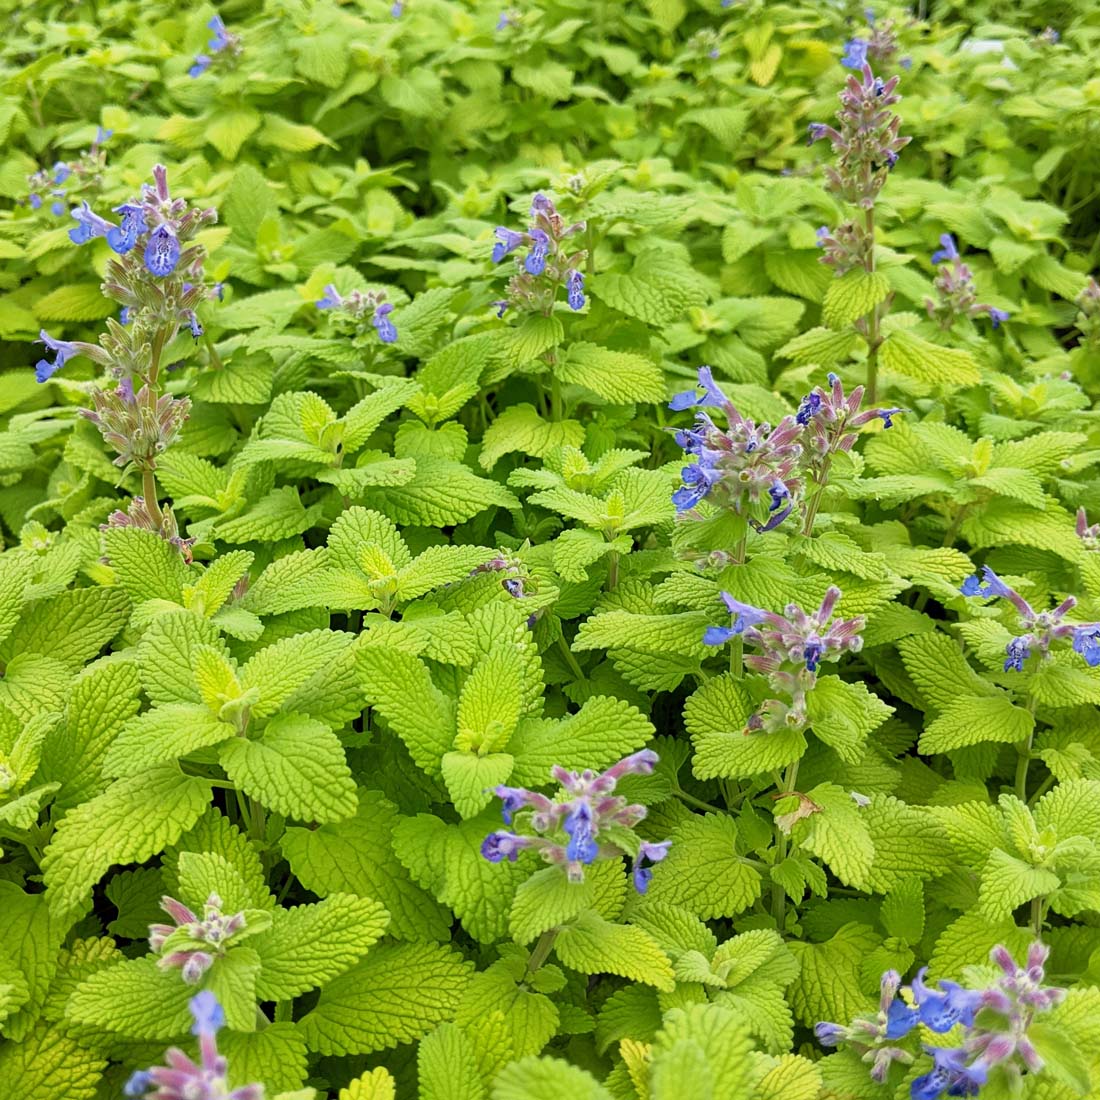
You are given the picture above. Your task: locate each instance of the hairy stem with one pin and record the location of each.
(815, 502)
(779, 895)
(874, 337)
(698, 803)
(149, 493)
(1037, 913)
(541, 951)
(1023, 748)
(737, 645)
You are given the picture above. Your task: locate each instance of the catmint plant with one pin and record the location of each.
(867, 142)
(548, 263)
(181, 1077)
(1089, 534)
(194, 943)
(156, 275)
(587, 823)
(878, 46)
(1039, 630)
(225, 49)
(748, 469)
(831, 421)
(994, 1020)
(792, 647)
(359, 311)
(69, 180)
(956, 294)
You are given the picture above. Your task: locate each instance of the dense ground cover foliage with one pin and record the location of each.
(525, 577)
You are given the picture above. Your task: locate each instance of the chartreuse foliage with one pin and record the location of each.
(389, 502)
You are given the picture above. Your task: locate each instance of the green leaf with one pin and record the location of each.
(162, 735)
(547, 899)
(906, 353)
(134, 998)
(1008, 882)
(842, 714)
(308, 945)
(356, 856)
(703, 871)
(395, 995)
(975, 720)
(593, 945)
(853, 296)
(616, 376)
(76, 302)
(48, 1064)
(129, 822)
(446, 1066)
(296, 767)
(535, 1078)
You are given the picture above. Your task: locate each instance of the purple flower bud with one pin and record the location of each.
(998, 316)
(855, 53)
(830, 1035)
(654, 853)
(1018, 650)
(503, 845)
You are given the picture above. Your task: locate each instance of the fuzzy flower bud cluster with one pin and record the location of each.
(847, 246)
(138, 514)
(68, 179)
(1088, 534)
(549, 262)
(957, 295)
(995, 1021)
(831, 421)
(1088, 316)
(224, 49)
(878, 46)
(156, 275)
(744, 467)
(1038, 629)
(138, 427)
(865, 139)
(357, 306)
(792, 646)
(182, 1078)
(512, 573)
(591, 822)
(194, 942)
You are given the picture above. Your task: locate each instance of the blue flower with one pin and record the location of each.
(502, 845)
(809, 407)
(202, 63)
(139, 1083)
(816, 130)
(385, 328)
(162, 252)
(993, 586)
(947, 252)
(503, 21)
(747, 615)
(1086, 641)
(195, 325)
(887, 416)
(102, 136)
(719, 635)
(124, 236)
(813, 651)
(35, 200)
(699, 479)
(397, 9)
(951, 1075)
(63, 352)
(508, 240)
(513, 799)
(998, 316)
(124, 315)
(900, 1020)
(711, 394)
(61, 172)
(582, 846)
(1018, 651)
(221, 36)
(822, 233)
(90, 225)
(535, 263)
(541, 204)
(941, 1009)
(331, 299)
(207, 1013)
(855, 53)
(780, 494)
(57, 208)
(574, 286)
(891, 158)
(652, 853)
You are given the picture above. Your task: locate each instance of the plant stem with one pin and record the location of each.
(698, 803)
(874, 338)
(555, 396)
(541, 951)
(815, 503)
(779, 895)
(570, 660)
(1037, 912)
(613, 570)
(149, 494)
(737, 645)
(1023, 748)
